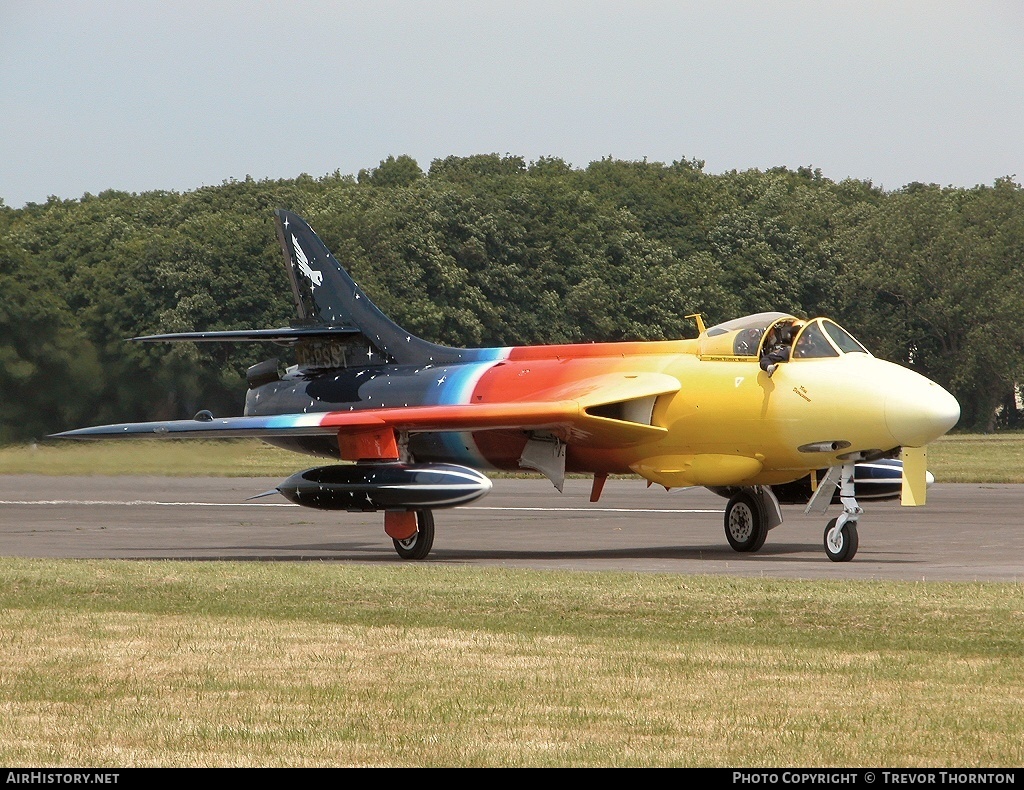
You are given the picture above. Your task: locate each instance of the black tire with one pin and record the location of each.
(419, 545)
(845, 547)
(745, 524)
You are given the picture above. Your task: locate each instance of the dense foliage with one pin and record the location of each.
(492, 250)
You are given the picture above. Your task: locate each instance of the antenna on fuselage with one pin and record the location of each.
(700, 321)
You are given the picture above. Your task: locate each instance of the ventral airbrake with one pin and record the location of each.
(412, 426)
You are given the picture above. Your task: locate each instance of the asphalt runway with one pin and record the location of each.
(965, 533)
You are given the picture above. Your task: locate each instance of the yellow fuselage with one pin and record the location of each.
(727, 422)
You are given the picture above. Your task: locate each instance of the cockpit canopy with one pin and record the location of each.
(753, 335)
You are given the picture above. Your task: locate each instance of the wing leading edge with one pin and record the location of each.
(550, 415)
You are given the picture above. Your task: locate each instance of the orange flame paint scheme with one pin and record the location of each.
(417, 419)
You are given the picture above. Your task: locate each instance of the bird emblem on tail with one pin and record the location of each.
(314, 277)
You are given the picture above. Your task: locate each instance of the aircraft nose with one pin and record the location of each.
(919, 411)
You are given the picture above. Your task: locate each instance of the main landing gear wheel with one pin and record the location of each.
(841, 545)
(745, 524)
(418, 546)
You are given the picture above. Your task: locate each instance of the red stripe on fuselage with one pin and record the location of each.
(542, 372)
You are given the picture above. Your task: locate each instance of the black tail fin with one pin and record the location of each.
(325, 295)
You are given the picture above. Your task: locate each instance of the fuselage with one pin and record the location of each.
(729, 423)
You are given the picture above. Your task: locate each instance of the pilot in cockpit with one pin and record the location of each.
(776, 348)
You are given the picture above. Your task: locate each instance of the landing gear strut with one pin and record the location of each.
(841, 533)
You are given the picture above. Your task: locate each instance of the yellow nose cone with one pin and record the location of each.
(919, 411)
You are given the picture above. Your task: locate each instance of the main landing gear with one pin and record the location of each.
(418, 545)
(754, 510)
(751, 512)
(745, 524)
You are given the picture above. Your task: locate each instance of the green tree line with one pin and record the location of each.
(494, 250)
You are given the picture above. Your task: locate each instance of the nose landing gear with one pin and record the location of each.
(840, 533)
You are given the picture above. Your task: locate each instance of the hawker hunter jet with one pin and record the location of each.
(413, 424)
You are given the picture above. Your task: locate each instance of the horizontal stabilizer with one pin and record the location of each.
(285, 334)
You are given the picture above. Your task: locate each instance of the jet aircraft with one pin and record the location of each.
(416, 423)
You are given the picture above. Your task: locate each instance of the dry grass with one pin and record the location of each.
(164, 664)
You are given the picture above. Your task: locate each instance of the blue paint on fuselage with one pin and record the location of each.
(455, 385)
(305, 395)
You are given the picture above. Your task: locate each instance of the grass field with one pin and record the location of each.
(978, 458)
(959, 458)
(314, 664)
(174, 458)
(123, 664)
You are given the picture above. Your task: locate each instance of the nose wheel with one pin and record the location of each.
(841, 540)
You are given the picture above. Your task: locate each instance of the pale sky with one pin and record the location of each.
(142, 95)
